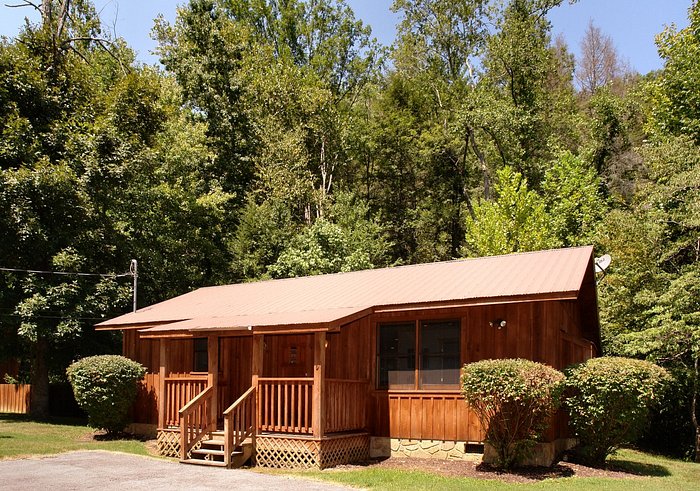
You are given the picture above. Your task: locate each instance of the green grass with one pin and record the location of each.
(21, 437)
(646, 472)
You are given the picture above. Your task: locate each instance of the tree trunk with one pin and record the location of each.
(694, 409)
(39, 399)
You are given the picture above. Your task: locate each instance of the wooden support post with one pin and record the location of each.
(213, 378)
(257, 371)
(318, 419)
(162, 373)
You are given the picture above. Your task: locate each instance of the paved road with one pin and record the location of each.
(102, 470)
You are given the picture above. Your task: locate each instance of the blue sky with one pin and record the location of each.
(631, 23)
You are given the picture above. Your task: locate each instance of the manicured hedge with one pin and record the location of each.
(608, 400)
(105, 387)
(513, 400)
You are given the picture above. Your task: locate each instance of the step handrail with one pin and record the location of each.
(195, 421)
(240, 423)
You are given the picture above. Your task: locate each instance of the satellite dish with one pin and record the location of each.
(602, 263)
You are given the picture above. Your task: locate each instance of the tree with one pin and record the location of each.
(48, 217)
(674, 107)
(599, 63)
(516, 221)
(348, 243)
(100, 166)
(649, 307)
(572, 192)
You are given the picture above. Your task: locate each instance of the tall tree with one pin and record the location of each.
(100, 166)
(516, 221)
(599, 63)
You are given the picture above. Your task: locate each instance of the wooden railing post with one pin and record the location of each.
(162, 373)
(257, 361)
(213, 378)
(318, 418)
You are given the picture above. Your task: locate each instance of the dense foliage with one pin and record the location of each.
(105, 387)
(608, 400)
(280, 139)
(513, 400)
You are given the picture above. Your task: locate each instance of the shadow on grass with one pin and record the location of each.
(110, 437)
(531, 473)
(54, 420)
(637, 468)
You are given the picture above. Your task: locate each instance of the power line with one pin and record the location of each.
(56, 317)
(133, 272)
(66, 273)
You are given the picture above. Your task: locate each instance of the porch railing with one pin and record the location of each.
(239, 423)
(284, 404)
(195, 421)
(178, 392)
(346, 405)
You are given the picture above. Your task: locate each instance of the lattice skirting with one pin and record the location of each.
(301, 453)
(168, 443)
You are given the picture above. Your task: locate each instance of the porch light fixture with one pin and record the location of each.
(498, 323)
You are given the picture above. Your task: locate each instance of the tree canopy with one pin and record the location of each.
(280, 139)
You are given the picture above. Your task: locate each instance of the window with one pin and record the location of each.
(201, 355)
(439, 353)
(397, 355)
(433, 346)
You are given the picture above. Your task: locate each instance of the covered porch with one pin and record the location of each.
(290, 414)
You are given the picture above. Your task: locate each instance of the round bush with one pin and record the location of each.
(105, 387)
(608, 400)
(514, 400)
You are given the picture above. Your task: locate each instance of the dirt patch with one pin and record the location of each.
(477, 470)
(152, 447)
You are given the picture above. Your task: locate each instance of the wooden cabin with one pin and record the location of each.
(323, 370)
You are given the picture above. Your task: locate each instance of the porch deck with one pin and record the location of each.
(288, 422)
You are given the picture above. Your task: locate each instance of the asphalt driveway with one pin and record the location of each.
(109, 470)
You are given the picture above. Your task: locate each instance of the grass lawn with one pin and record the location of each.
(21, 437)
(646, 472)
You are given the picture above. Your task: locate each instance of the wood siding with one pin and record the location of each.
(546, 331)
(14, 398)
(234, 366)
(424, 416)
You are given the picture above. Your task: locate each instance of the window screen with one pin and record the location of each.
(439, 363)
(396, 356)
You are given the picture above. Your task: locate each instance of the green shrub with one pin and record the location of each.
(514, 400)
(608, 400)
(105, 387)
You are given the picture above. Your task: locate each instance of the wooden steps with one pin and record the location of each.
(211, 452)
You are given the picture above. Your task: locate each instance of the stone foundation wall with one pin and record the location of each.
(427, 449)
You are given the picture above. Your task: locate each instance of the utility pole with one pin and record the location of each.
(134, 270)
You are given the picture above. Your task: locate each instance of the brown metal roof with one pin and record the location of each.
(326, 299)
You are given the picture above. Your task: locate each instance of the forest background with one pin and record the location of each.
(278, 139)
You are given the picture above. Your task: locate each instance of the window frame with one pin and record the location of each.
(417, 328)
(420, 325)
(197, 350)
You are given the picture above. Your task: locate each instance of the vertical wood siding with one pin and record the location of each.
(547, 331)
(14, 398)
